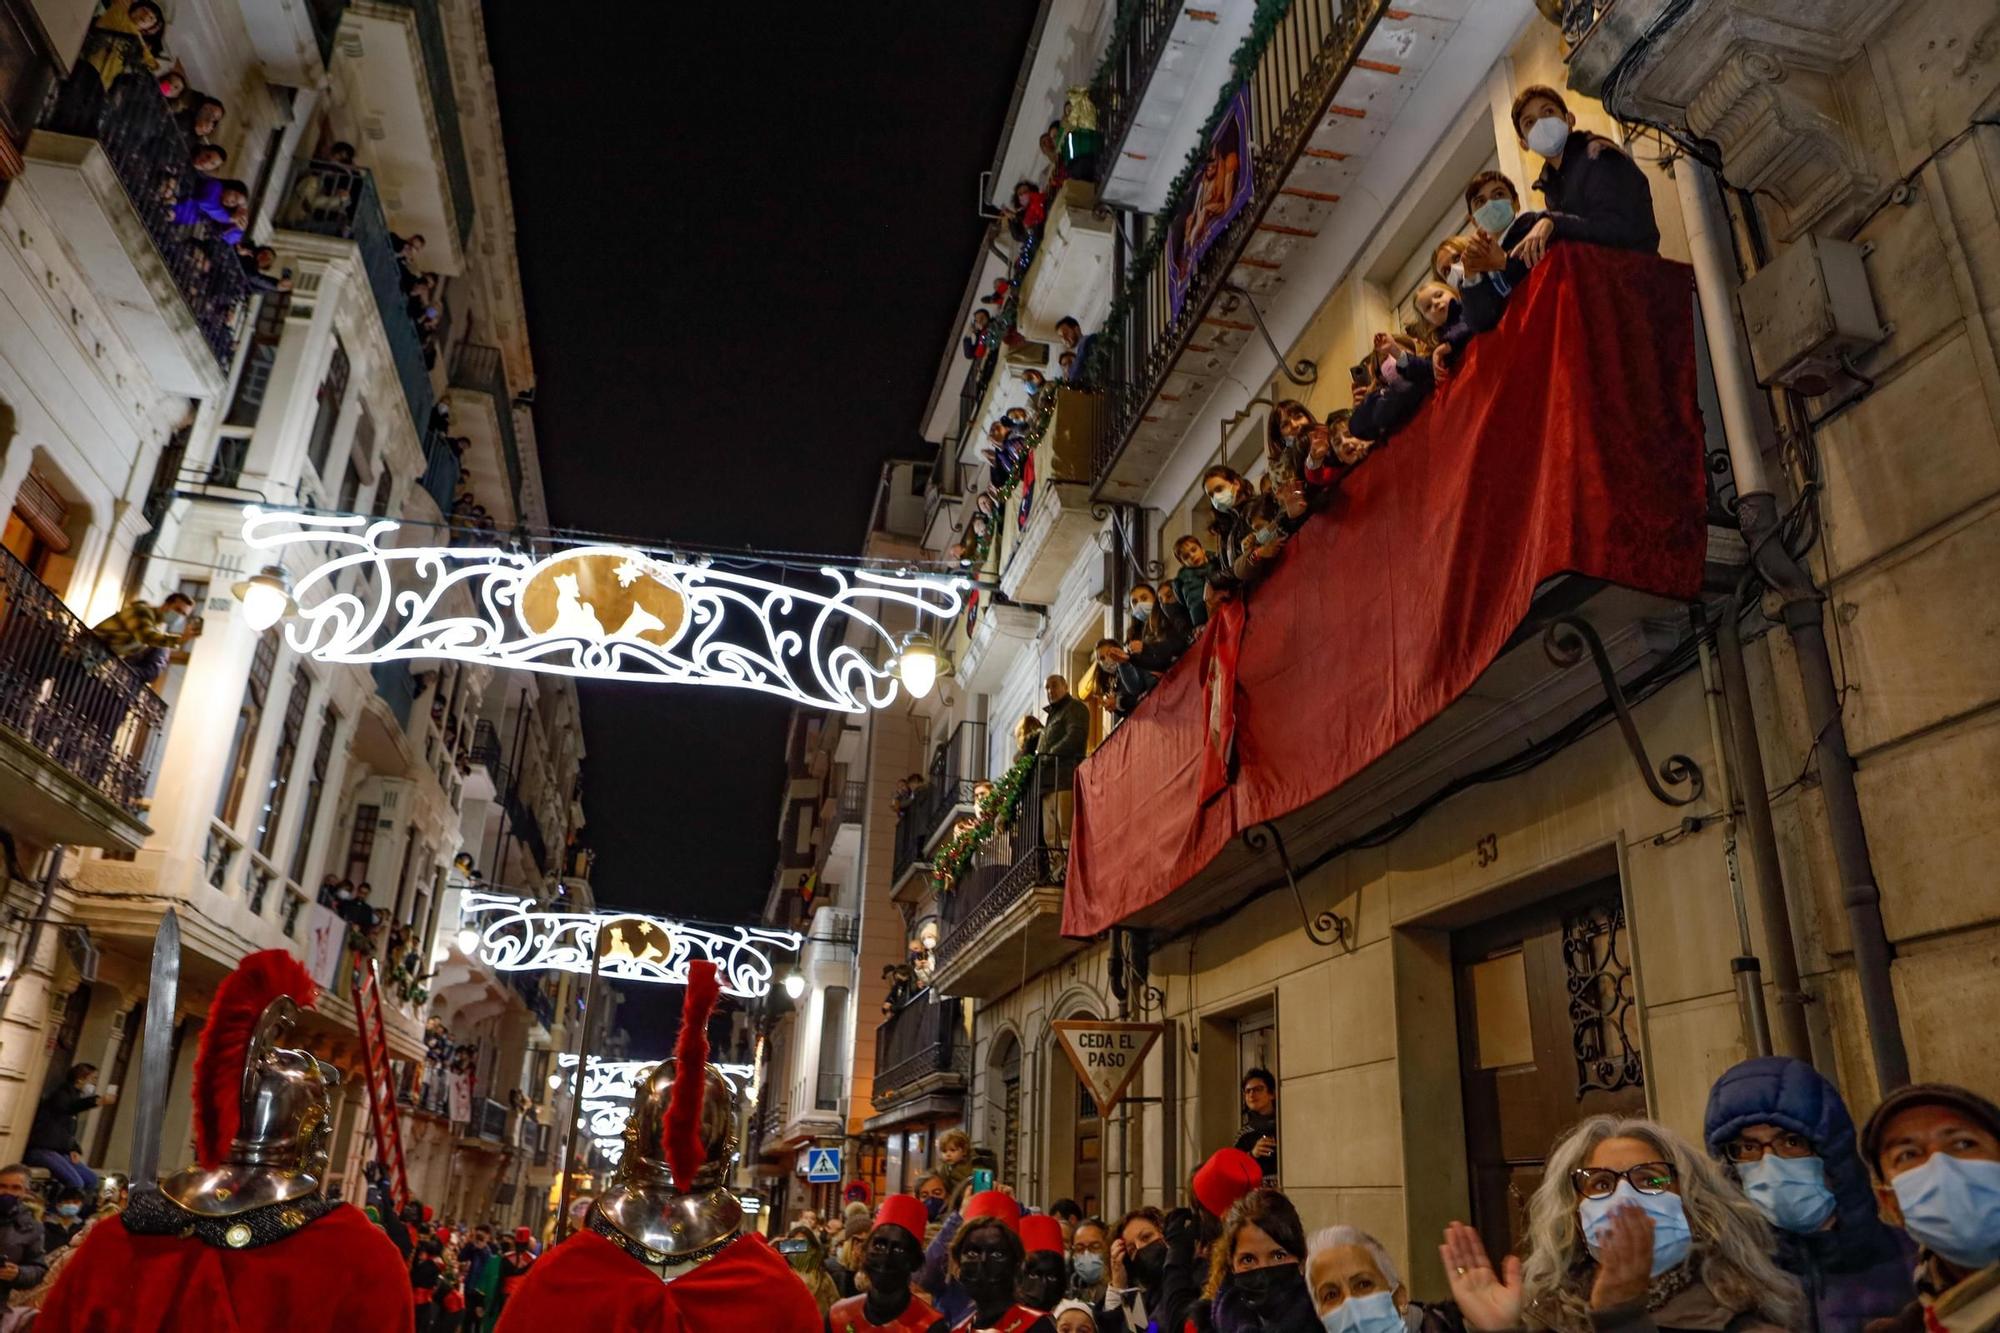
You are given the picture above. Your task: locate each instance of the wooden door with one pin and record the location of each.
(1087, 1164)
(1548, 1034)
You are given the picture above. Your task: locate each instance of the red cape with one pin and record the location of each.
(588, 1283)
(339, 1274)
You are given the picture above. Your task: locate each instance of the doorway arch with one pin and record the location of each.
(1003, 1107)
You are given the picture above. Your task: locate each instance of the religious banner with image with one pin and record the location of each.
(1218, 192)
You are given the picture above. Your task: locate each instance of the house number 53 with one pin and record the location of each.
(1487, 850)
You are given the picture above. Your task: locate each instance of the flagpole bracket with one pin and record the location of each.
(1568, 640)
(1325, 928)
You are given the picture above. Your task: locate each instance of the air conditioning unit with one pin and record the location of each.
(1808, 313)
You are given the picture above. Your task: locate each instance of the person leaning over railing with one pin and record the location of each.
(143, 636)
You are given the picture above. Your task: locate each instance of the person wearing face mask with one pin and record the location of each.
(806, 1256)
(1632, 1229)
(986, 1258)
(61, 1223)
(143, 636)
(1247, 543)
(21, 1246)
(894, 1250)
(1160, 630)
(1934, 1150)
(1400, 380)
(1356, 1289)
(1592, 191)
(1486, 274)
(1783, 1132)
(52, 1139)
(1089, 1252)
(1138, 1269)
(1255, 1281)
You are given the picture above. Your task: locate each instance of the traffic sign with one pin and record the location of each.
(1106, 1056)
(823, 1166)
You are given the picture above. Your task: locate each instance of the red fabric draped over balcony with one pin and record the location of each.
(1568, 441)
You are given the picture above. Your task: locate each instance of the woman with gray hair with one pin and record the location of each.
(1356, 1289)
(1632, 1229)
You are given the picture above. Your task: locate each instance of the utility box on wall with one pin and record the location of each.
(1807, 312)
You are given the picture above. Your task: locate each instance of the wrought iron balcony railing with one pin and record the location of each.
(1030, 854)
(65, 694)
(441, 470)
(1291, 81)
(1137, 39)
(923, 1040)
(480, 368)
(154, 161)
(335, 200)
(444, 104)
(486, 749)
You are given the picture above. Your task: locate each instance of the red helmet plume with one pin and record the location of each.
(682, 1132)
(225, 1043)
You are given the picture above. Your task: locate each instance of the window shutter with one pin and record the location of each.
(44, 511)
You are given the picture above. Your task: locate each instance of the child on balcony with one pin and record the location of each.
(1247, 535)
(1288, 431)
(1444, 316)
(1487, 274)
(1187, 586)
(974, 343)
(1161, 630)
(1593, 190)
(1400, 379)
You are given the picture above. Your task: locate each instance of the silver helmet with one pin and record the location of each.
(666, 1225)
(284, 1137)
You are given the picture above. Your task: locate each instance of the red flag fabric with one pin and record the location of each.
(336, 1274)
(588, 1283)
(1568, 440)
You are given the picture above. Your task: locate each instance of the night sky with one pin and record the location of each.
(743, 235)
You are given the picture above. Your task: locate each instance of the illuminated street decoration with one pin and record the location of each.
(516, 935)
(604, 612)
(609, 1087)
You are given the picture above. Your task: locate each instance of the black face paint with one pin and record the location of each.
(1043, 1280)
(987, 1267)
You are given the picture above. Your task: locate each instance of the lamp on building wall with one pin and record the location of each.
(919, 663)
(795, 985)
(468, 939)
(555, 1082)
(266, 596)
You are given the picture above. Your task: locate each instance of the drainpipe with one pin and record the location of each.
(1715, 265)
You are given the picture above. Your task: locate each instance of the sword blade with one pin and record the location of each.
(156, 1051)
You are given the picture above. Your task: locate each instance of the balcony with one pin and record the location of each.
(849, 802)
(293, 42)
(488, 1124)
(1058, 523)
(1007, 906)
(441, 471)
(486, 777)
(999, 631)
(396, 686)
(956, 765)
(1074, 266)
(338, 201)
(79, 730)
(393, 61)
(922, 1056)
(110, 167)
(482, 375)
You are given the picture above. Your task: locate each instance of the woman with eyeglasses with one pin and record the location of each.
(1783, 1133)
(1632, 1229)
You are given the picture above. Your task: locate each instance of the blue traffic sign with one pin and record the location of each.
(823, 1165)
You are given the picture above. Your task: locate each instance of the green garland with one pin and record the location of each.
(993, 811)
(1263, 27)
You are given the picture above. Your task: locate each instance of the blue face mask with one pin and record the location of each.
(1495, 215)
(1791, 1191)
(1088, 1266)
(1952, 1206)
(933, 1208)
(69, 1209)
(1374, 1313)
(1672, 1240)
(1547, 136)
(1140, 610)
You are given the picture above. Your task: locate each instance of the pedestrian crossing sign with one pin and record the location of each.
(823, 1166)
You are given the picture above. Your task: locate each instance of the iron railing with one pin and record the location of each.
(485, 749)
(852, 802)
(1138, 38)
(922, 1040)
(335, 200)
(441, 470)
(827, 1089)
(444, 105)
(153, 160)
(911, 834)
(522, 824)
(65, 694)
(1578, 18)
(1030, 854)
(480, 368)
(541, 1003)
(489, 1120)
(1293, 81)
(957, 763)
(397, 686)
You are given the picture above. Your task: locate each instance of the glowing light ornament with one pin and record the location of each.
(609, 1087)
(515, 935)
(603, 612)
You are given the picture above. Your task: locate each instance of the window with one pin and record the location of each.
(332, 391)
(329, 723)
(350, 487)
(249, 715)
(37, 531)
(832, 1042)
(279, 785)
(254, 382)
(361, 843)
(380, 505)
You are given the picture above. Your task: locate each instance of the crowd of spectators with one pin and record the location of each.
(461, 1276)
(1782, 1217)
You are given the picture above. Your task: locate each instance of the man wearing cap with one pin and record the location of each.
(514, 1266)
(986, 1257)
(894, 1250)
(1935, 1152)
(1045, 1267)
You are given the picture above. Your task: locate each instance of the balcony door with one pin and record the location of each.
(1548, 1034)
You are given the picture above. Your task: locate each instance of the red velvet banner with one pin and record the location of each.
(1567, 441)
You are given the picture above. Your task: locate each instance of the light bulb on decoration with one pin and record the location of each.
(266, 596)
(795, 985)
(919, 664)
(468, 940)
(555, 1082)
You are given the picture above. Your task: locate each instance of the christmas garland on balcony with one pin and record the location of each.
(991, 813)
(972, 543)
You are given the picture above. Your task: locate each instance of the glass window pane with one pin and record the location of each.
(1502, 1034)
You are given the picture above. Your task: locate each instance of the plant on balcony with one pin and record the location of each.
(991, 813)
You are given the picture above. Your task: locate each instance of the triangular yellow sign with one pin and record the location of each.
(1106, 1056)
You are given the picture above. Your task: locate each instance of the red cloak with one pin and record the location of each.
(338, 1274)
(588, 1283)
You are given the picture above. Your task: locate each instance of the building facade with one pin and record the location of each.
(1451, 941)
(153, 384)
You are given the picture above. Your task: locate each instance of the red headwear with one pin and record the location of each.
(225, 1044)
(906, 1211)
(997, 1206)
(1226, 1177)
(1041, 1233)
(523, 1236)
(681, 1135)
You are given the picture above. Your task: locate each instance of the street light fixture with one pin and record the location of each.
(919, 663)
(468, 939)
(266, 596)
(795, 985)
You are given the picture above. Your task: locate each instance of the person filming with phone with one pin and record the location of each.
(1260, 1120)
(52, 1142)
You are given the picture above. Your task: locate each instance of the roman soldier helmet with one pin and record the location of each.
(667, 1205)
(263, 1116)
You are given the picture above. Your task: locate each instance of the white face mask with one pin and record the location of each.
(1496, 215)
(173, 622)
(1547, 136)
(88, 1089)
(1454, 277)
(1223, 500)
